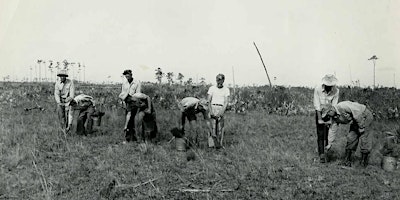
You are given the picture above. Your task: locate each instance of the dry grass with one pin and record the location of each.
(265, 157)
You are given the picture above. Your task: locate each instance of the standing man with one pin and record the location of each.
(64, 92)
(218, 98)
(327, 93)
(360, 118)
(129, 88)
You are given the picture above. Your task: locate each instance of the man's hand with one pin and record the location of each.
(327, 147)
(147, 111)
(320, 121)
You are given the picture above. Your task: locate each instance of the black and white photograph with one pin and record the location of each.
(189, 99)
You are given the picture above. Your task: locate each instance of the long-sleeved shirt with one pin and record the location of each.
(129, 89)
(187, 103)
(65, 90)
(322, 97)
(348, 111)
(82, 102)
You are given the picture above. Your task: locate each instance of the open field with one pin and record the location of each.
(265, 157)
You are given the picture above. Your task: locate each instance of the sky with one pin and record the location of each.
(300, 41)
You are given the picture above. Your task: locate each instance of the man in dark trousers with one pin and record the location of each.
(189, 107)
(84, 107)
(129, 88)
(327, 93)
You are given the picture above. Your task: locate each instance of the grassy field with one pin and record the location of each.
(265, 157)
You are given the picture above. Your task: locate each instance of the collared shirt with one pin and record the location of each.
(64, 90)
(218, 95)
(348, 110)
(129, 88)
(322, 97)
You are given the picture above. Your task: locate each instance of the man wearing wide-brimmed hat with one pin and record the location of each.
(129, 88)
(64, 92)
(360, 118)
(325, 94)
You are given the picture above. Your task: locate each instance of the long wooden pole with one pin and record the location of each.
(269, 80)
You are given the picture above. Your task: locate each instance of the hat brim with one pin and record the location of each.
(62, 75)
(329, 83)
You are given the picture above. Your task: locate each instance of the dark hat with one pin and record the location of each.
(128, 71)
(62, 72)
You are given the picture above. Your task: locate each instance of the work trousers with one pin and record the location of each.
(85, 118)
(354, 136)
(64, 114)
(322, 135)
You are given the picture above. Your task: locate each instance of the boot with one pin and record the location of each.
(364, 159)
(322, 158)
(347, 162)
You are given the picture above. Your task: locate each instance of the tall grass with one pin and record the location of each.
(265, 157)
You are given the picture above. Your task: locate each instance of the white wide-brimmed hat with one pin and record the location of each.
(329, 80)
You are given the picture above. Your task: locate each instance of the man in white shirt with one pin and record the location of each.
(324, 94)
(218, 98)
(129, 88)
(64, 92)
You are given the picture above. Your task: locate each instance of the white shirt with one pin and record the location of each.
(129, 88)
(218, 94)
(322, 97)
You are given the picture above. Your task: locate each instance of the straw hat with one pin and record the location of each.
(329, 80)
(62, 72)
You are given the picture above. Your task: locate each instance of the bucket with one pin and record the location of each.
(97, 120)
(180, 144)
(389, 163)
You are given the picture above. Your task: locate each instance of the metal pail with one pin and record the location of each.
(97, 120)
(180, 144)
(389, 163)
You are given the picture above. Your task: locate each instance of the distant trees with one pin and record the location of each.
(159, 75)
(180, 78)
(170, 76)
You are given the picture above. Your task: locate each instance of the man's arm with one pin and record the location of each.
(57, 94)
(209, 98)
(139, 87)
(226, 99)
(72, 89)
(335, 99)
(317, 106)
(148, 109)
(128, 117)
(332, 134)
